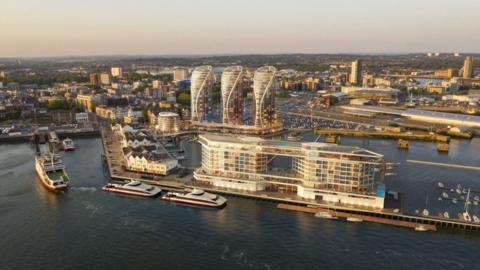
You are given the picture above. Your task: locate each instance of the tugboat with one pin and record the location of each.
(443, 147)
(135, 188)
(68, 145)
(51, 170)
(403, 144)
(196, 197)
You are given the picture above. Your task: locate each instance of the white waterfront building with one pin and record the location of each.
(264, 88)
(319, 171)
(201, 92)
(232, 96)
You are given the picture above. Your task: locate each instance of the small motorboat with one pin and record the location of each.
(476, 198)
(68, 145)
(445, 195)
(441, 185)
(325, 215)
(421, 228)
(425, 212)
(466, 216)
(476, 219)
(446, 215)
(454, 200)
(354, 219)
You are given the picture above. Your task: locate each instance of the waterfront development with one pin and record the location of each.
(246, 234)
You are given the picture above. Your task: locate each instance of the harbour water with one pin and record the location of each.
(89, 229)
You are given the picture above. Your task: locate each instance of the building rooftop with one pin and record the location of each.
(316, 146)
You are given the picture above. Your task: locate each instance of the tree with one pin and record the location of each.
(184, 99)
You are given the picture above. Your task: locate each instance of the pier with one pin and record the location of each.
(449, 165)
(389, 218)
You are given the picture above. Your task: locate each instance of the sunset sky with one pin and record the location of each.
(107, 27)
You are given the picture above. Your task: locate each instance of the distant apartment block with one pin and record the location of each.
(105, 79)
(116, 72)
(468, 67)
(356, 72)
(180, 74)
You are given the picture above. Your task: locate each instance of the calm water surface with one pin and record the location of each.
(89, 229)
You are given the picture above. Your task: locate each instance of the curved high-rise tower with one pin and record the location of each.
(264, 88)
(232, 96)
(201, 92)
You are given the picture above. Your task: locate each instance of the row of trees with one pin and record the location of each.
(45, 79)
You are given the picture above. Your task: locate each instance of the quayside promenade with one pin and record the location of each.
(115, 166)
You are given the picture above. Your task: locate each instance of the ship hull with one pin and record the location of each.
(127, 192)
(44, 181)
(192, 202)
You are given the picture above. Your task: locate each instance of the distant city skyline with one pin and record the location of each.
(49, 28)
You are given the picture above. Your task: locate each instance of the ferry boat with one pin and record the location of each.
(68, 145)
(196, 197)
(51, 170)
(135, 188)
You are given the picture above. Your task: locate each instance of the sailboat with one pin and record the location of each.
(425, 211)
(466, 216)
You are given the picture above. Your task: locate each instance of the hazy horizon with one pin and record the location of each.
(53, 28)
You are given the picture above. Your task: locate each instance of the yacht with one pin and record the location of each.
(465, 215)
(51, 170)
(196, 197)
(445, 195)
(68, 145)
(135, 188)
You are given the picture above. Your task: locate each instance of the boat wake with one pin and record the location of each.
(240, 258)
(85, 189)
(92, 208)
